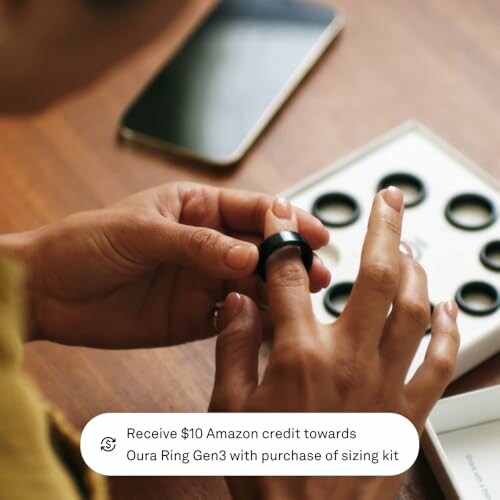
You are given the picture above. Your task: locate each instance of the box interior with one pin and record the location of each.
(465, 431)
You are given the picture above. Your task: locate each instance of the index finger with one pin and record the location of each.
(287, 279)
(378, 278)
(245, 211)
(236, 211)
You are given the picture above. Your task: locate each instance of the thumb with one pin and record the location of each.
(237, 354)
(208, 251)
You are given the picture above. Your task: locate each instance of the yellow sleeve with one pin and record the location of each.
(39, 450)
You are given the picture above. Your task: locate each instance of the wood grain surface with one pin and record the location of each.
(438, 62)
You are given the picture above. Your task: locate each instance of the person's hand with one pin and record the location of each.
(358, 363)
(149, 270)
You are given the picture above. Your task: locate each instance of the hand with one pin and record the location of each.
(149, 270)
(358, 363)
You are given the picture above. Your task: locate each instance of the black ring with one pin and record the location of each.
(470, 199)
(428, 330)
(280, 240)
(486, 251)
(341, 199)
(334, 291)
(479, 287)
(398, 178)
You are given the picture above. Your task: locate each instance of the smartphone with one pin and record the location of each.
(217, 94)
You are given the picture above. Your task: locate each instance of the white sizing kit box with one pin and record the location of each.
(451, 222)
(462, 444)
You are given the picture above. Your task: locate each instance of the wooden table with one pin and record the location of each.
(438, 62)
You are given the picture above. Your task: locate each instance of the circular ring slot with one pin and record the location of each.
(413, 188)
(478, 298)
(336, 209)
(428, 330)
(336, 297)
(470, 211)
(490, 255)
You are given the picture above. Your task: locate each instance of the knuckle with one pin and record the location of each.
(348, 376)
(420, 270)
(391, 224)
(421, 273)
(380, 276)
(450, 334)
(455, 337)
(202, 239)
(302, 358)
(236, 338)
(289, 273)
(453, 334)
(415, 312)
(443, 367)
(137, 224)
(385, 223)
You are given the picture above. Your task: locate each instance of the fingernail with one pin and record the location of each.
(282, 208)
(406, 249)
(232, 308)
(239, 256)
(451, 309)
(394, 198)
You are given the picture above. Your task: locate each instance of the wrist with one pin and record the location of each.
(19, 247)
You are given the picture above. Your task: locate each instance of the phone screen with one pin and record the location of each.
(222, 87)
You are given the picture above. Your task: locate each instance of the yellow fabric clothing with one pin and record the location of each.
(39, 451)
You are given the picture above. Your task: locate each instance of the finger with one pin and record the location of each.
(246, 211)
(409, 318)
(287, 281)
(237, 351)
(206, 250)
(254, 288)
(435, 372)
(319, 275)
(378, 278)
(233, 210)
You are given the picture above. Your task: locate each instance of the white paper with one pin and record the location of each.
(474, 456)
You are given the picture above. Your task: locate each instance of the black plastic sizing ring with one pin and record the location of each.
(428, 330)
(336, 199)
(339, 290)
(278, 241)
(470, 199)
(400, 179)
(479, 287)
(486, 253)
